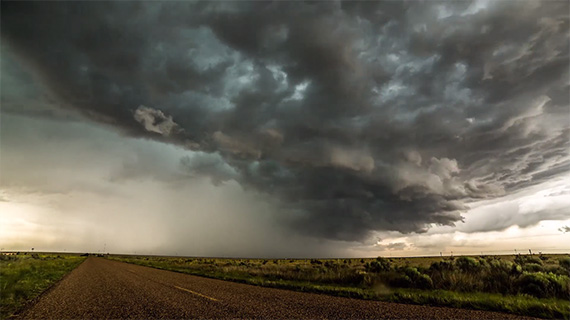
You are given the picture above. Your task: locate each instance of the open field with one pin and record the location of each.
(533, 285)
(25, 276)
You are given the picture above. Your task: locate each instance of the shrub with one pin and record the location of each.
(522, 260)
(440, 266)
(467, 264)
(533, 260)
(399, 280)
(4, 257)
(378, 265)
(554, 269)
(413, 273)
(544, 285)
(408, 277)
(565, 263)
(532, 267)
(534, 284)
(423, 282)
(499, 276)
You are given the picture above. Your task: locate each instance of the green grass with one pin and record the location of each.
(518, 304)
(24, 277)
(458, 287)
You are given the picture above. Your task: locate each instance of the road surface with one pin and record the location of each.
(101, 288)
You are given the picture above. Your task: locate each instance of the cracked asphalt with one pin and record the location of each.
(105, 289)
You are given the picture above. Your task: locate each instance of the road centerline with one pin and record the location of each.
(196, 293)
(173, 286)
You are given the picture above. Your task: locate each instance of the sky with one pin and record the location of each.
(285, 129)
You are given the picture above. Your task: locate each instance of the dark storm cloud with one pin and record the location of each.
(357, 116)
(210, 165)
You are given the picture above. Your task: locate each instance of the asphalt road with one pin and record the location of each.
(101, 288)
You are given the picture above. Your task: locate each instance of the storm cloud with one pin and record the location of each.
(354, 116)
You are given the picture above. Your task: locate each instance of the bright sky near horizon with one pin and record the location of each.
(285, 129)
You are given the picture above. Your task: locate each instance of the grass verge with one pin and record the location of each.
(24, 277)
(514, 304)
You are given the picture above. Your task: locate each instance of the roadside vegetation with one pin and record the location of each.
(532, 285)
(25, 276)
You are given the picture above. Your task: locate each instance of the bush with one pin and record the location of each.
(544, 285)
(522, 260)
(4, 257)
(500, 275)
(565, 263)
(533, 260)
(442, 266)
(532, 267)
(378, 265)
(423, 282)
(534, 284)
(408, 277)
(399, 280)
(467, 264)
(413, 273)
(555, 269)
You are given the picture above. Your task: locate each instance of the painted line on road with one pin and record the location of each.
(177, 287)
(196, 293)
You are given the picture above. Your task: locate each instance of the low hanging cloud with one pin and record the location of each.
(155, 121)
(355, 116)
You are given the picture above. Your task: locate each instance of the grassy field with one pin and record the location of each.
(23, 277)
(534, 285)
